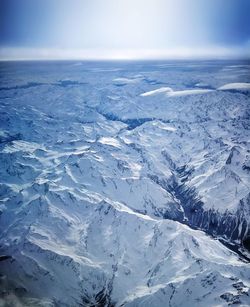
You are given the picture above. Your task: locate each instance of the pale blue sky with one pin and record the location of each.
(75, 27)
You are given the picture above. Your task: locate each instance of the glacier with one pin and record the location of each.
(125, 183)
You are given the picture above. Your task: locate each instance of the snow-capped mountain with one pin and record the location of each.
(125, 184)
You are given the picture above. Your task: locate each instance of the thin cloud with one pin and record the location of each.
(215, 52)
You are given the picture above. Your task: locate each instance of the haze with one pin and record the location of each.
(124, 29)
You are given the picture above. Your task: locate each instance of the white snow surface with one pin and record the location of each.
(89, 162)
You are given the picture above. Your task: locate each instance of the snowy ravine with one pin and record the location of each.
(125, 184)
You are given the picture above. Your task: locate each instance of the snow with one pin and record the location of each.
(124, 81)
(101, 179)
(163, 126)
(110, 141)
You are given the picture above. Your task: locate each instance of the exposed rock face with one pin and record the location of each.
(118, 179)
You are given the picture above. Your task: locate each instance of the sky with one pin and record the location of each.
(31, 29)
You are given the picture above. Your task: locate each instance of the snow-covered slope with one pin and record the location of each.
(84, 251)
(107, 172)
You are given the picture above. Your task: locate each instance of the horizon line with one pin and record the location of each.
(185, 53)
